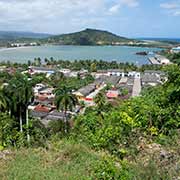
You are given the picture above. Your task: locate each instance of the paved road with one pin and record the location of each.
(136, 87)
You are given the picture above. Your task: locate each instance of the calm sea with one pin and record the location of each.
(107, 53)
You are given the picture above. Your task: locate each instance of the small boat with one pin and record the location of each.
(144, 53)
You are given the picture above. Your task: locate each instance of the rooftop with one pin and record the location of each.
(150, 78)
(40, 68)
(87, 89)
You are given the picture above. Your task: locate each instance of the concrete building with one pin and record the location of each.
(38, 70)
(150, 80)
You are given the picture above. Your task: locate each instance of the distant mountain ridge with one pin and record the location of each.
(175, 40)
(13, 35)
(87, 37)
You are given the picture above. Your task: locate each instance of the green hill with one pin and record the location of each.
(88, 37)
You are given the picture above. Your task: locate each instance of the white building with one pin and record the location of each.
(38, 70)
(175, 50)
(134, 74)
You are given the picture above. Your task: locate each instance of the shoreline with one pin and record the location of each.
(14, 48)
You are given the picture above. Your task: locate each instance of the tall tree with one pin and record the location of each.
(100, 101)
(65, 101)
(18, 96)
(3, 103)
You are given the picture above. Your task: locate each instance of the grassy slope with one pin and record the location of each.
(69, 160)
(64, 160)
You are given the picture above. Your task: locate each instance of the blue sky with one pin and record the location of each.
(130, 18)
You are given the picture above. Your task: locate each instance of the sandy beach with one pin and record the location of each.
(13, 48)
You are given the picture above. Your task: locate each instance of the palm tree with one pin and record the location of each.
(18, 96)
(27, 95)
(65, 101)
(24, 94)
(100, 101)
(3, 103)
(57, 78)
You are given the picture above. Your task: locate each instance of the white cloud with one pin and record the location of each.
(123, 3)
(177, 13)
(130, 3)
(172, 7)
(114, 9)
(55, 15)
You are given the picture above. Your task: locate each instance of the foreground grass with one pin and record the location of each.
(70, 160)
(65, 160)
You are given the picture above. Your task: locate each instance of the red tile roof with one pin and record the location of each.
(112, 94)
(41, 108)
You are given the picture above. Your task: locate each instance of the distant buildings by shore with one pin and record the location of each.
(15, 45)
(175, 50)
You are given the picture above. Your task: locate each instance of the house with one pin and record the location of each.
(33, 44)
(44, 98)
(150, 80)
(54, 116)
(134, 74)
(46, 92)
(116, 72)
(38, 115)
(110, 72)
(112, 80)
(126, 83)
(100, 73)
(37, 70)
(17, 44)
(111, 94)
(85, 91)
(154, 72)
(42, 108)
(123, 80)
(2, 68)
(130, 81)
(46, 117)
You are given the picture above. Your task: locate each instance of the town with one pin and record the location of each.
(116, 84)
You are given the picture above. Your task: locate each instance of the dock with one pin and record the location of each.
(154, 61)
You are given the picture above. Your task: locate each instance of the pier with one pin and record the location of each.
(154, 61)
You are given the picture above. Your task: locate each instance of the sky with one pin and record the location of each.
(129, 18)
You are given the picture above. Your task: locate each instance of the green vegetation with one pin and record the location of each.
(175, 57)
(65, 101)
(136, 139)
